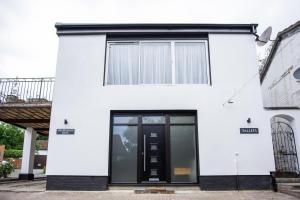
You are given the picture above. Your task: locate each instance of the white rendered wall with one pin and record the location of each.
(281, 90)
(81, 98)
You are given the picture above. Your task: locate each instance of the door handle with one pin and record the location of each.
(144, 153)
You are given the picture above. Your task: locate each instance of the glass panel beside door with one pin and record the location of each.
(153, 148)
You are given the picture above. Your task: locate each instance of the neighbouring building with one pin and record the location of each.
(280, 75)
(280, 81)
(149, 104)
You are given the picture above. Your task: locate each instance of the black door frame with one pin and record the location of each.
(166, 113)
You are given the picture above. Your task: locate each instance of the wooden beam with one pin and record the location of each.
(24, 121)
(41, 129)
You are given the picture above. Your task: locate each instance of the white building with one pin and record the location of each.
(281, 74)
(149, 104)
(280, 81)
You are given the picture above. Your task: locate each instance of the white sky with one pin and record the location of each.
(28, 42)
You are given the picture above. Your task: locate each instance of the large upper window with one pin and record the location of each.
(157, 62)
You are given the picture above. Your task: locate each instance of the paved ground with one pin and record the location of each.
(36, 191)
(22, 186)
(37, 173)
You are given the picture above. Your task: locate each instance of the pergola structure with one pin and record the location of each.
(26, 103)
(36, 116)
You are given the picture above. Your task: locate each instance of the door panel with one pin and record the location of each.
(154, 153)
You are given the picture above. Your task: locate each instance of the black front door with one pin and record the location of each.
(153, 151)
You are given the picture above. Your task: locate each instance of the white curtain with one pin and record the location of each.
(123, 64)
(150, 63)
(156, 66)
(190, 63)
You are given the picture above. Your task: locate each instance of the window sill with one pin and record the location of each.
(160, 85)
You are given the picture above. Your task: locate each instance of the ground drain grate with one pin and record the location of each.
(154, 191)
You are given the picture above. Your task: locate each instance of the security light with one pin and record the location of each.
(249, 120)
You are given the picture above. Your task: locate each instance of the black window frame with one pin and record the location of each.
(162, 38)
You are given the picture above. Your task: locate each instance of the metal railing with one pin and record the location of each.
(26, 90)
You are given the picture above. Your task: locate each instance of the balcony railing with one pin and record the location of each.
(26, 90)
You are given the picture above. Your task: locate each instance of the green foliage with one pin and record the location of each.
(6, 168)
(42, 137)
(44, 170)
(11, 136)
(13, 153)
(37, 146)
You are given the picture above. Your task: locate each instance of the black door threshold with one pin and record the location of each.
(152, 184)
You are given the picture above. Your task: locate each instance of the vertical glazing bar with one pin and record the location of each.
(173, 62)
(144, 153)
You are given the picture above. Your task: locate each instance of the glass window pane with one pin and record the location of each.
(153, 172)
(153, 159)
(154, 120)
(183, 154)
(190, 63)
(156, 67)
(125, 120)
(153, 147)
(124, 154)
(123, 64)
(182, 119)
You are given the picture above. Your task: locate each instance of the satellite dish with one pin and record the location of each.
(264, 37)
(297, 74)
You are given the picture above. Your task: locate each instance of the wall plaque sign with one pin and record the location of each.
(65, 131)
(249, 131)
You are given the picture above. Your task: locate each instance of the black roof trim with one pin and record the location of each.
(281, 35)
(71, 29)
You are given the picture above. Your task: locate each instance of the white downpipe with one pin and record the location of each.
(236, 164)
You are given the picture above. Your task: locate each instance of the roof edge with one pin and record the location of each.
(282, 108)
(88, 28)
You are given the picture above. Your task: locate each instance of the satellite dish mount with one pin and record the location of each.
(264, 37)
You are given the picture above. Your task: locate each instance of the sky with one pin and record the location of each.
(28, 40)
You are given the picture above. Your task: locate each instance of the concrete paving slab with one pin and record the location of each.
(114, 195)
(35, 190)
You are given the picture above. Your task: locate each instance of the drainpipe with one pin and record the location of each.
(237, 170)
